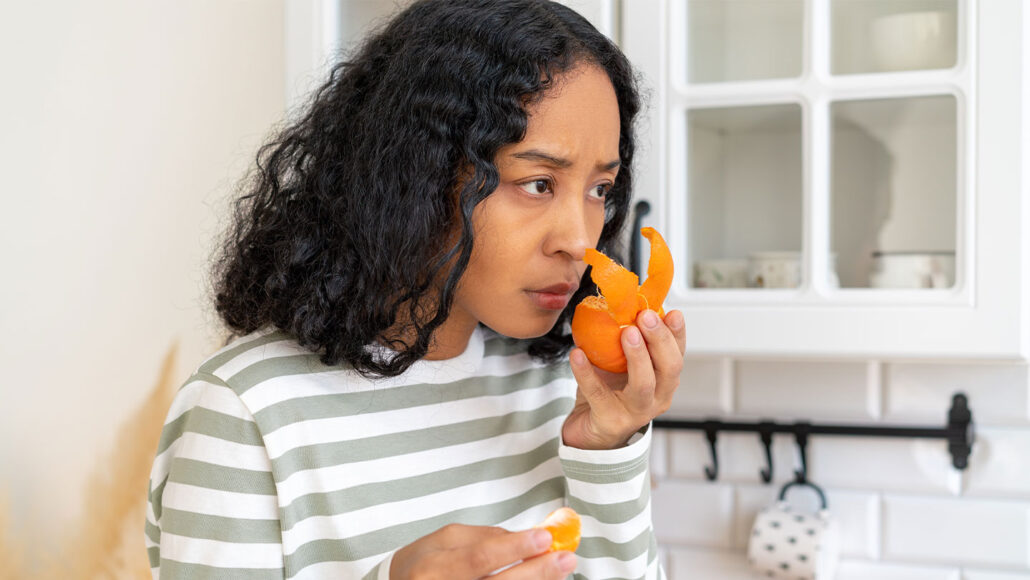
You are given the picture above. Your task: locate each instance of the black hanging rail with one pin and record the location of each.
(959, 433)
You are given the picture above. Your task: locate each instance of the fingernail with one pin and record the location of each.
(578, 358)
(633, 336)
(650, 319)
(566, 562)
(542, 539)
(675, 322)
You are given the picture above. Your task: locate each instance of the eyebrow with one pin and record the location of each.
(559, 162)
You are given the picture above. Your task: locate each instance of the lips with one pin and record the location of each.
(562, 288)
(553, 297)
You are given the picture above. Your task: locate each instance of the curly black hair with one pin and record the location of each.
(343, 229)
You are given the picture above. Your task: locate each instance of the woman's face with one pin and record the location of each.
(531, 233)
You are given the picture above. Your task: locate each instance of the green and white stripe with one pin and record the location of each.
(273, 465)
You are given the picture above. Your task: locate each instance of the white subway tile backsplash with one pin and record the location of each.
(692, 513)
(705, 388)
(956, 531)
(693, 564)
(689, 454)
(1000, 463)
(659, 459)
(813, 391)
(859, 570)
(857, 513)
(905, 513)
(999, 393)
(859, 517)
(874, 463)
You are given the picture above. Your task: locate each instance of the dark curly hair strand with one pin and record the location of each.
(356, 210)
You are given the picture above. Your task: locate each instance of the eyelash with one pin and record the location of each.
(550, 187)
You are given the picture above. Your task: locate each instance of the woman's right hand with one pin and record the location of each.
(459, 552)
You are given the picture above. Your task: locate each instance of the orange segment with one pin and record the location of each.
(596, 332)
(564, 525)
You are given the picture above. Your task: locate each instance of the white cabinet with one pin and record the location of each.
(839, 177)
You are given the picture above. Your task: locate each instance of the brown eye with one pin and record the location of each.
(601, 191)
(537, 187)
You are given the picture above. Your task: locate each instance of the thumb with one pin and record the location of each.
(594, 390)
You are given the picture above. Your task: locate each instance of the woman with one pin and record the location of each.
(400, 400)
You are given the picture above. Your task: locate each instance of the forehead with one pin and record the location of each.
(578, 115)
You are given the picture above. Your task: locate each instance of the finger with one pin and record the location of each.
(600, 398)
(674, 320)
(454, 536)
(666, 356)
(500, 550)
(638, 395)
(553, 566)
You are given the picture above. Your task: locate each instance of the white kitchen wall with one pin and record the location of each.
(905, 513)
(125, 126)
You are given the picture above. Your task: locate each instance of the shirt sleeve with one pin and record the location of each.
(611, 490)
(212, 507)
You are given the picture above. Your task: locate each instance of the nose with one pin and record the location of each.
(573, 226)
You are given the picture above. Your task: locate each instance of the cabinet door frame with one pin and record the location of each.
(983, 317)
(312, 37)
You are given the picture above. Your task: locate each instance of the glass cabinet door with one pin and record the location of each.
(822, 143)
(839, 177)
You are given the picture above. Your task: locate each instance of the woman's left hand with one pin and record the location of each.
(611, 407)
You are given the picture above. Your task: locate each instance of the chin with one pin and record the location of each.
(524, 327)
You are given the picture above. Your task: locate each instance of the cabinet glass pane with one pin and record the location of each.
(738, 40)
(873, 36)
(894, 192)
(744, 200)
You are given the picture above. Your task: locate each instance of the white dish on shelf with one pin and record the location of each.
(913, 270)
(914, 40)
(720, 273)
(774, 269)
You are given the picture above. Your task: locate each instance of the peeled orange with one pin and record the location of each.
(598, 321)
(563, 523)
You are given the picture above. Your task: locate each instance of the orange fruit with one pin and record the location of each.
(563, 523)
(598, 321)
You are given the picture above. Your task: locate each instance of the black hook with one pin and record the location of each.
(765, 429)
(801, 430)
(712, 432)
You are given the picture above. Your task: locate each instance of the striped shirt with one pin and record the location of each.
(274, 465)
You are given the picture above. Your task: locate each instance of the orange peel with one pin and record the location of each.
(598, 321)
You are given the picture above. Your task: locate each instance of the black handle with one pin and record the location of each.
(641, 209)
(818, 490)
